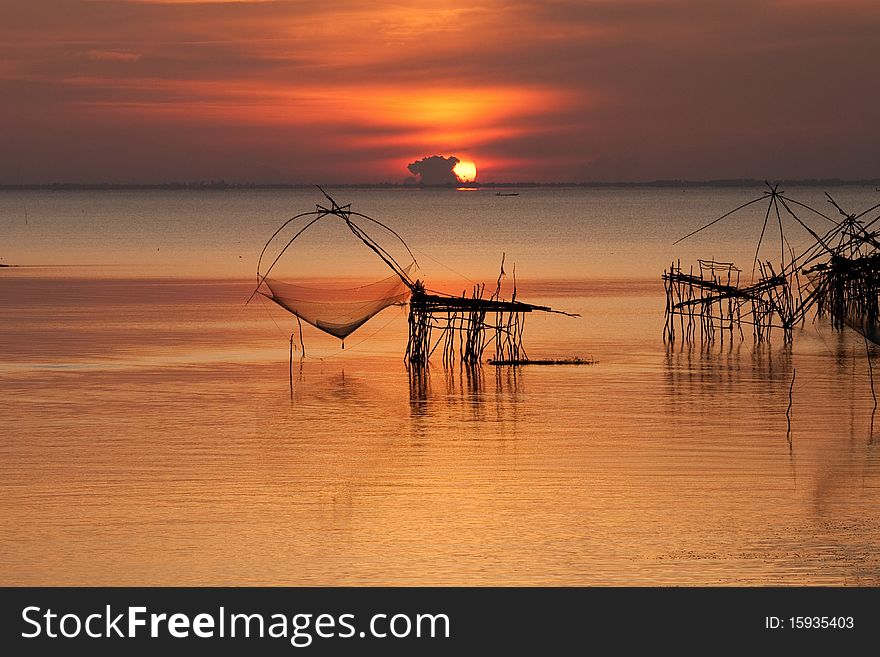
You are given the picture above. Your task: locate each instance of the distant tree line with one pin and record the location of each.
(222, 185)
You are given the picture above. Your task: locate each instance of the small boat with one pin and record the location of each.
(506, 193)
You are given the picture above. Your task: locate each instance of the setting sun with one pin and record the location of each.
(466, 171)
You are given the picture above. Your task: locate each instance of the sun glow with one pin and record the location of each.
(466, 171)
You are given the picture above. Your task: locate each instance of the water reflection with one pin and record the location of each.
(724, 380)
(214, 453)
(466, 394)
(711, 366)
(743, 380)
(742, 396)
(419, 390)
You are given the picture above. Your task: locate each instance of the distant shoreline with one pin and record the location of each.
(223, 185)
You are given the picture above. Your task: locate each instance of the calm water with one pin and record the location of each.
(151, 435)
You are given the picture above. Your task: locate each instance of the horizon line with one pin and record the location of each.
(223, 184)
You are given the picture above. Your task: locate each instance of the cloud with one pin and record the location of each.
(112, 56)
(194, 2)
(555, 90)
(435, 170)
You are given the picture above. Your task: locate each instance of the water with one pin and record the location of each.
(151, 434)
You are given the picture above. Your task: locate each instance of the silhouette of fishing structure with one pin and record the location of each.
(838, 276)
(461, 327)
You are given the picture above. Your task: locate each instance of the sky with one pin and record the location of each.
(353, 92)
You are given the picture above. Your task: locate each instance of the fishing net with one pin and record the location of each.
(340, 310)
(336, 310)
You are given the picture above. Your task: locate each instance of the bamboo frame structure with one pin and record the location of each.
(712, 301)
(463, 327)
(837, 276)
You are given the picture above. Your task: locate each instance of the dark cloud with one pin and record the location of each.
(435, 170)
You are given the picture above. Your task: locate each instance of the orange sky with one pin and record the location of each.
(272, 91)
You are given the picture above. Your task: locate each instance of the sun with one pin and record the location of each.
(465, 171)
